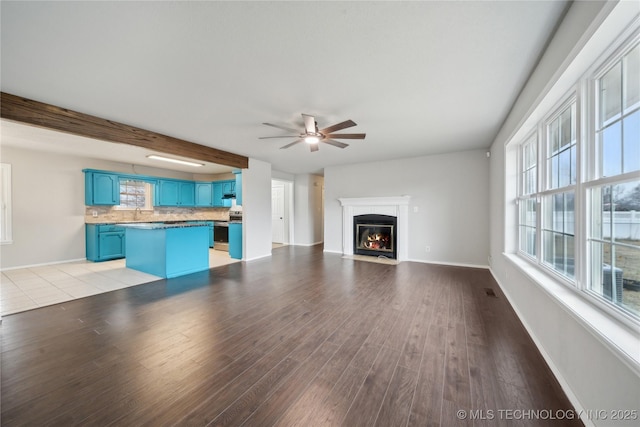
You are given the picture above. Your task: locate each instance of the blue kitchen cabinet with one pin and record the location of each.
(238, 188)
(235, 240)
(187, 193)
(104, 242)
(228, 189)
(175, 193)
(222, 189)
(204, 194)
(101, 189)
(167, 250)
(167, 193)
(218, 201)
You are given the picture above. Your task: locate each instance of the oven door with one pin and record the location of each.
(220, 236)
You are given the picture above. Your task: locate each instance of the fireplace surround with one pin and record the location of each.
(397, 207)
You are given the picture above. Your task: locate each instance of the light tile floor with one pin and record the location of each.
(28, 288)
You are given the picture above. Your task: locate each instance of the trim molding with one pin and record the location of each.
(556, 372)
(42, 264)
(452, 264)
(397, 206)
(48, 116)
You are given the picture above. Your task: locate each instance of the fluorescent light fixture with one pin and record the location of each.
(311, 139)
(169, 159)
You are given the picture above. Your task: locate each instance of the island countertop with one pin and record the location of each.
(161, 225)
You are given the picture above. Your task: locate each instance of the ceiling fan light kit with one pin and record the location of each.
(313, 136)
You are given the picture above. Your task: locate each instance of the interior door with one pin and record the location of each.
(277, 213)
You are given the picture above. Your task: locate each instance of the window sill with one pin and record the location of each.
(621, 337)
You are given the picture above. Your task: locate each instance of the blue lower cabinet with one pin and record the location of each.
(235, 240)
(211, 242)
(104, 242)
(168, 252)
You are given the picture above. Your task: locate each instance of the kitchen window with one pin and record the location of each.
(135, 195)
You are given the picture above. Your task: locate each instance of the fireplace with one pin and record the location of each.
(375, 235)
(396, 207)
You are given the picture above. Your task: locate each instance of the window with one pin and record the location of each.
(579, 186)
(613, 235)
(527, 200)
(558, 202)
(135, 195)
(618, 122)
(5, 203)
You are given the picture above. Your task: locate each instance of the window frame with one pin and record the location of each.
(6, 238)
(584, 93)
(523, 196)
(148, 206)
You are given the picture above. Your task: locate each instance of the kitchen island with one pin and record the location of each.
(167, 250)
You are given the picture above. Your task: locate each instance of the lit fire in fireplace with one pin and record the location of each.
(376, 241)
(374, 235)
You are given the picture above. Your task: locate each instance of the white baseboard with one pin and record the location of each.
(453, 264)
(306, 244)
(332, 252)
(42, 264)
(258, 257)
(556, 372)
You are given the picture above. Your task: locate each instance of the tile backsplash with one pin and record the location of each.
(108, 214)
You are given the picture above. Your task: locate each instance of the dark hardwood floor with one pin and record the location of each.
(300, 339)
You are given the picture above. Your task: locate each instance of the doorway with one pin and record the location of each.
(281, 212)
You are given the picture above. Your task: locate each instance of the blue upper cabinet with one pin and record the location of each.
(218, 201)
(175, 193)
(227, 187)
(167, 193)
(204, 194)
(187, 193)
(238, 188)
(101, 189)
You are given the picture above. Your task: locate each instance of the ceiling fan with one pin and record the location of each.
(313, 136)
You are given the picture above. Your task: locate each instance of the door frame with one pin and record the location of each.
(288, 209)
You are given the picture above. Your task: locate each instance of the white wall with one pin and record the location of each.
(449, 191)
(48, 204)
(592, 374)
(308, 209)
(256, 210)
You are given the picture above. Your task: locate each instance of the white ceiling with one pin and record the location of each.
(419, 78)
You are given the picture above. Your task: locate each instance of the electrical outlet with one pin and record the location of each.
(415, 209)
(95, 214)
(427, 249)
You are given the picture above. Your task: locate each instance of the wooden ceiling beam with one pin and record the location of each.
(48, 116)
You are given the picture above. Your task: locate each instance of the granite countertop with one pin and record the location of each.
(161, 225)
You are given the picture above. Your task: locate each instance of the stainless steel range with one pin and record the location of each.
(221, 229)
(221, 235)
(235, 214)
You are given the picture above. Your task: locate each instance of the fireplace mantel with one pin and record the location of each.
(397, 206)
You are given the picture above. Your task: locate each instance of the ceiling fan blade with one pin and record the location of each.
(313, 147)
(290, 144)
(339, 126)
(283, 136)
(309, 123)
(282, 127)
(346, 135)
(335, 143)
